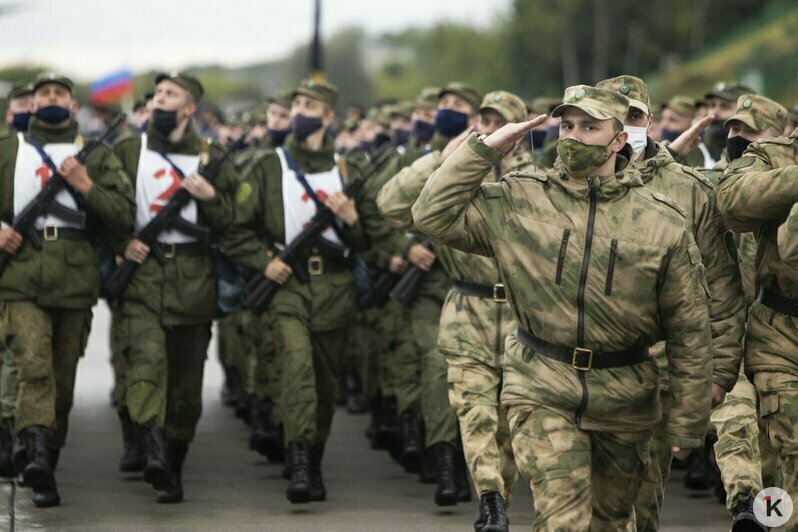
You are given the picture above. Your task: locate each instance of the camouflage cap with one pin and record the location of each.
(683, 105)
(728, 91)
(380, 115)
(19, 90)
(632, 87)
(507, 104)
(282, 99)
(759, 113)
(601, 104)
(543, 105)
(463, 90)
(428, 99)
(185, 81)
(51, 77)
(401, 110)
(318, 90)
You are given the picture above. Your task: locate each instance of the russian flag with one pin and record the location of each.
(112, 87)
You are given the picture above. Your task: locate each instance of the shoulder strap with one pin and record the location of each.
(53, 168)
(292, 164)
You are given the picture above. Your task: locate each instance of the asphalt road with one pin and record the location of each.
(229, 487)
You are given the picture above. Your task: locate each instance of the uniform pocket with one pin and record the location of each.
(611, 267)
(566, 234)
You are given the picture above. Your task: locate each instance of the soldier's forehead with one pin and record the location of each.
(575, 113)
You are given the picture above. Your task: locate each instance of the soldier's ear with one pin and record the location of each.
(620, 141)
(328, 117)
(74, 106)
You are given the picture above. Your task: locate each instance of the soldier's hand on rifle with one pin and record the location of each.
(75, 174)
(10, 240)
(691, 137)
(455, 142)
(422, 257)
(137, 251)
(199, 187)
(505, 138)
(398, 264)
(343, 207)
(278, 271)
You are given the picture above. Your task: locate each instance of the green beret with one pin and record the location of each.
(186, 81)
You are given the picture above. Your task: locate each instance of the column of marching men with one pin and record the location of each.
(577, 292)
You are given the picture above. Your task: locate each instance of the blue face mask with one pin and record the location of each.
(278, 135)
(450, 123)
(538, 138)
(667, 134)
(553, 132)
(304, 126)
(52, 114)
(20, 121)
(422, 131)
(400, 137)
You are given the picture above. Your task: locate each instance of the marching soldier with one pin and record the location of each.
(312, 311)
(597, 269)
(168, 307)
(53, 279)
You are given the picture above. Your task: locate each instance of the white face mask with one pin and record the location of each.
(638, 138)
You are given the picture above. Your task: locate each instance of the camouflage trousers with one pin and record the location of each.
(471, 337)
(743, 452)
(310, 365)
(47, 344)
(264, 364)
(8, 380)
(403, 358)
(236, 346)
(649, 500)
(440, 420)
(165, 367)
(581, 480)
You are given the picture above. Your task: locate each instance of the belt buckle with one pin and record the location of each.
(581, 351)
(50, 233)
(496, 297)
(169, 250)
(315, 265)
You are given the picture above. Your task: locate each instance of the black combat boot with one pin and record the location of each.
(387, 435)
(743, 518)
(20, 458)
(156, 470)
(492, 514)
(461, 478)
(410, 453)
(244, 408)
(133, 453)
(356, 401)
(446, 492)
(265, 437)
(699, 472)
(6, 448)
(173, 492)
(231, 390)
(318, 492)
(298, 462)
(426, 472)
(38, 474)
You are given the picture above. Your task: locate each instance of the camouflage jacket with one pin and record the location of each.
(183, 290)
(65, 273)
(696, 195)
(757, 194)
(599, 263)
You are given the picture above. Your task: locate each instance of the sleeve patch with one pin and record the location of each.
(243, 193)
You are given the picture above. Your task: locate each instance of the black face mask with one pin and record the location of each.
(715, 138)
(19, 122)
(278, 135)
(735, 147)
(399, 137)
(164, 122)
(52, 114)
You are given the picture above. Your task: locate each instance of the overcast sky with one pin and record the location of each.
(88, 38)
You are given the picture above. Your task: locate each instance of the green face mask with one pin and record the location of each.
(582, 159)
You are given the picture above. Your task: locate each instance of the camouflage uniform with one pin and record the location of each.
(756, 195)
(472, 327)
(696, 195)
(582, 435)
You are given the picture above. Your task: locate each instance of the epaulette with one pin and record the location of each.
(662, 198)
(492, 190)
(698, 175)
(782, 140)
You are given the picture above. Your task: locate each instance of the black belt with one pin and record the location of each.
(51, 233)
(319, 264)
(581, 358)
(188, 249)
(777, 302)
(495, 292)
